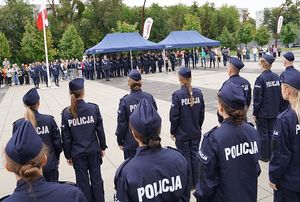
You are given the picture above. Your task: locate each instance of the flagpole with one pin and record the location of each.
(46, 49)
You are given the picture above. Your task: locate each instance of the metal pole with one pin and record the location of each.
(165, 64)
(46, 49)
(194, 57)
(94, 64)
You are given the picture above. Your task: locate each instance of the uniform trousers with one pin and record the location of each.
(190, 151)
(285, 195)
(88, 176)
(265, 129)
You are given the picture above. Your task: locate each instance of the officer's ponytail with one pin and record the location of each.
(74, 96)
(187, 83)
(237, 116)
(31, 170)
(295, 101)
(29, 115)
(134, 85)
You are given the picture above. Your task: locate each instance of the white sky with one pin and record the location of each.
(252, 5)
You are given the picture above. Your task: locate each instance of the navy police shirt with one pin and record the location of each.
(267, 95)
(237, 79)
(153, 175)
(186, 121)
(46, 192)
(84, 134)
(49, 132)
(229, 164)
(126, 106)
(284, 166)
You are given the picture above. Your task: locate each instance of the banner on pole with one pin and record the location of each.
(147, 28)
(279, 24)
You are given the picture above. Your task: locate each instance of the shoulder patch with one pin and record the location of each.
(211, 131)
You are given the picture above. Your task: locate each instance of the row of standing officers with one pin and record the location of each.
(225, 168)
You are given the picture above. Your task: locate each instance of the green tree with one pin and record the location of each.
(262, 36)
(71, 44)
(159, 30)
(33, 48)
(13, 17)
(125, 27)
(246, 32)
(207, 16)
(227, 16)
(175, 17)
(227, 39)
(288, 34)
(5, 51)
(191, 22)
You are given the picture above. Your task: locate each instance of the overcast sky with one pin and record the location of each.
(252, 5)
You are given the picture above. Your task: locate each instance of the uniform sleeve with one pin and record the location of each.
(281, 152)
(121, 186)
(249, 95)
(56, 139)
(257, 96)
(209, 175)
(100, 130)
(202, 112)
(122, 126)
(174, 114)
(66, 137)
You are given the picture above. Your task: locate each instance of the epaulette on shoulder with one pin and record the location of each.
(175, 149)
(122, 166)
(251, 124)
(64, 110)
(93, 103)
(211, 131)
(67, 182)
(4, 197)
(14, 123)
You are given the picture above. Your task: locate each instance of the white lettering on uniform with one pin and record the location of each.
(81, 121)
(151, 191)
(297, 128)
(245, 87)
(272, 84)
(42, 130)
(186, 101)
(241, 149)
(132, 107)
(202, 156)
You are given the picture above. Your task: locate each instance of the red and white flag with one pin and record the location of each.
(40, 18)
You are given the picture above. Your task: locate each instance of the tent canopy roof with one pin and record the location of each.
(119, 42)
(186, 39)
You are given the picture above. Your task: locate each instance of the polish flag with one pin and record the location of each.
(39, 21)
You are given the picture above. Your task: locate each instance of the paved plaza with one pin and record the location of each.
(107, 95)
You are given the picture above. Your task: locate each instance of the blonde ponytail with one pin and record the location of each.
(29, 116)
(73, 107)
(190, 89)
(295, 104)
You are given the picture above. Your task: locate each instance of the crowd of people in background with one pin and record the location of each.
(118, 65)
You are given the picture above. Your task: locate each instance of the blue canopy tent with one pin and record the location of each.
(119, 42)
(187, 39)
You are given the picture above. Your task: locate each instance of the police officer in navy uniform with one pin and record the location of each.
(127, 105)
(160, 62)
(47, 129)
(266, 104)
(288, 63)
(284, 166)
(91, 69)
(44, 73)
(84, 141)
(233, 70)
(154, 173)
(98, 68)
(25, 155)
(229, 155)
(186, 117)
(173, 60)
(55, 72)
